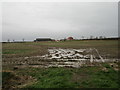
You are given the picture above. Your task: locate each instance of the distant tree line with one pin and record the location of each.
(82, 38)
(102, 38)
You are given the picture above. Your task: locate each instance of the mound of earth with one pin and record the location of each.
(12, 81)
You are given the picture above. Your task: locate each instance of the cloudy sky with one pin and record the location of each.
(58, 20)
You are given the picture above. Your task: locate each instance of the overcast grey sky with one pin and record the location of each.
(58, 19)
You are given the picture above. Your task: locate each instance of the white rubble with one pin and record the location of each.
(72, 54)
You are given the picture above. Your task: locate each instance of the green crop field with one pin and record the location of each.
(104, 75)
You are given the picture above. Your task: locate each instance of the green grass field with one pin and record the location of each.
(102, 76)
(85, 77)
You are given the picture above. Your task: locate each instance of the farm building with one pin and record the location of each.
(70, 38)
(42, 39)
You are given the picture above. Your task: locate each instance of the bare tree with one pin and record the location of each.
(96, 38)
(83, 37)
(8, 40)
(91, 37)
(13, 40)
(100, 37)
(23, 39)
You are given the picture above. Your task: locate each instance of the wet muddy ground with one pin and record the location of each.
(58, 57)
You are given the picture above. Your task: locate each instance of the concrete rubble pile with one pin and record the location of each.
(58, 57)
